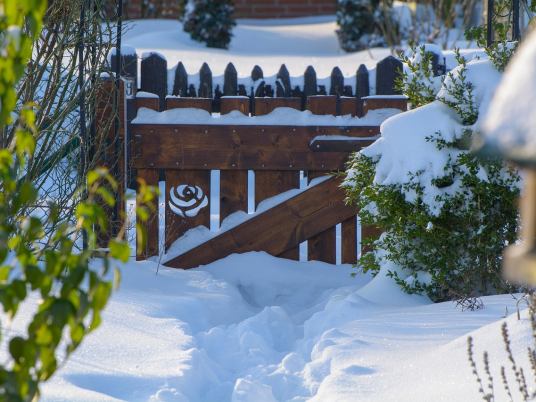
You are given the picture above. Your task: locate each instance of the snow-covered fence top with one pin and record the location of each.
(155, 76)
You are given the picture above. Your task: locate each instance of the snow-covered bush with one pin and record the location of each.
(358, 22)
(418, 80)
(446, 214)
(210, 22)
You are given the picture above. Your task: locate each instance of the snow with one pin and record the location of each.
(297, 43)
(282, 116)
(407, 134)
(510, 124)
(257, 328)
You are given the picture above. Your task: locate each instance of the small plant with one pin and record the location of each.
(210, 22)
(521, 389)
(418, 81)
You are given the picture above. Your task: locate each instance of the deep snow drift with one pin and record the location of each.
(256, 328)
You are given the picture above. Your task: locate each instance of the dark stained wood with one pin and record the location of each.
(150, 176)
(234, 103)
(387, 72)
(349, 241)
(322, 247)
(180, 85)
(348, 106)
(362, 82)
(233, 192)
(283, 82)
(176, 225)
(267, 105)
(349, 145)
(197, 103)
(256, 73)
(154, 76)
(369, 232)
(205, 82)
(322, 104)
(310, 87)
(273, 182)
(385, 102)
(150, 103)
(337, 82)
(237, 147)
(230, 80)
(280, 229)
(292, 254)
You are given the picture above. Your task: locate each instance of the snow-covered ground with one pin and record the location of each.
(260, 329)
(297, 43)
(255, 328)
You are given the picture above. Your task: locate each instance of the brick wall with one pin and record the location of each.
(244, 8)
(283, 8)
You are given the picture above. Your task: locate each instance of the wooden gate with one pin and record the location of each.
(180, 142)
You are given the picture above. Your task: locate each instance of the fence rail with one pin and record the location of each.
(155, 78)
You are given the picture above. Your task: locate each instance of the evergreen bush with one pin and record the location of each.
(452, 249)
(210, 22)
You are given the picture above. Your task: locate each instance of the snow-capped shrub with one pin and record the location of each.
(210, 22)
(418, 80)
(446, 214)
(358, 22)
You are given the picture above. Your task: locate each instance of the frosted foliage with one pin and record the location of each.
(483, 78)
(403, 149)
(510, 124)
(405, 154)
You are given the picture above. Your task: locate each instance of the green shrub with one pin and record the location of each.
(447, 233)
(33, 260)
(358, 24)
(210, 22)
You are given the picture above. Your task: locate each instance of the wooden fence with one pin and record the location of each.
(154, 76)
(183, 156)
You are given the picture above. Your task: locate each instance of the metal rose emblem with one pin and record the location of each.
(186, 201)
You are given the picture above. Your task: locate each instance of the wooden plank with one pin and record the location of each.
(233, 192)
(264, 106)
(349, 241)
(322, 104)
(149, 103)
(195, 193)
(339, 145)
(237, 147)
(277, 230)
(348, 106)
(151, 225)
(197, 103)
(371, 232)
(322, 247)
(230, 103)
(272, 182)
(385, 102)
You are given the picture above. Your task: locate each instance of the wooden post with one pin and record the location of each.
(180, 85)
(387, 71)
(337, 82)
(230, 80)
(205, 81)
(154, 75)
(283, 82)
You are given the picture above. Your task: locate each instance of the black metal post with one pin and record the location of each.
(491, 7)
(117, 121)
(82, 106)
(516, 33)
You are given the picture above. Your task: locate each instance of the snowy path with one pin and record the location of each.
(256, 328)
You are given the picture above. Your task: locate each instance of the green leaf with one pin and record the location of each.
(119, 250)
